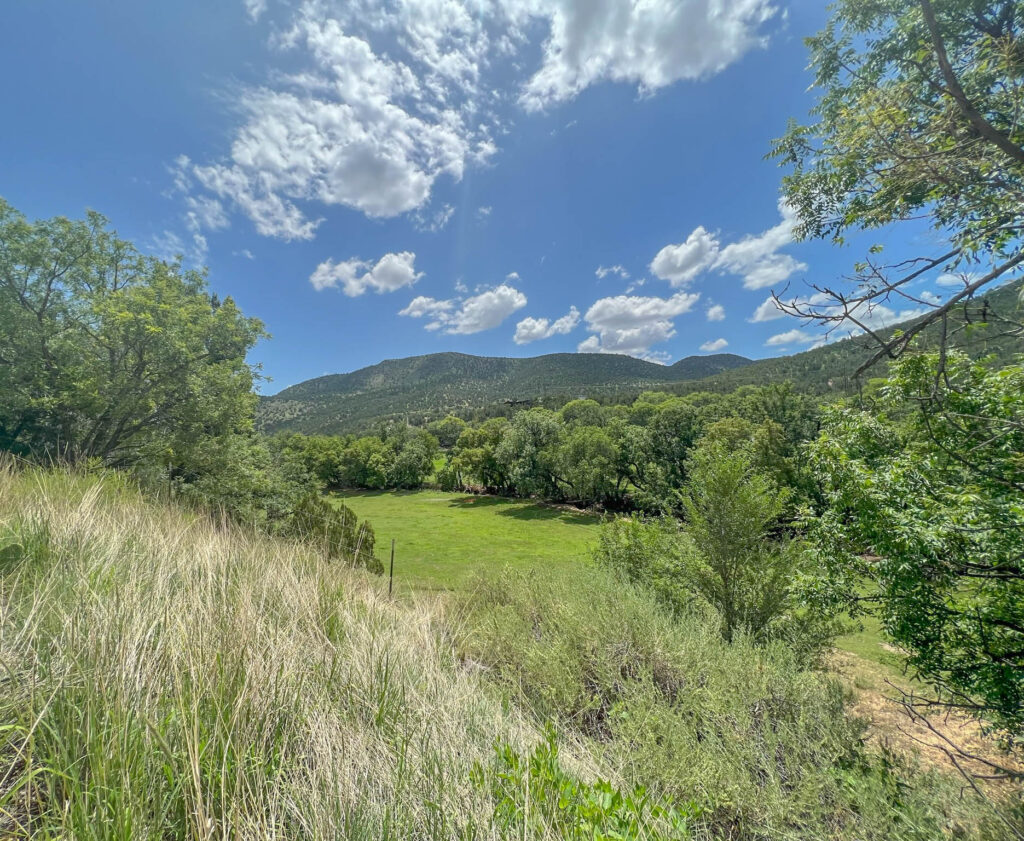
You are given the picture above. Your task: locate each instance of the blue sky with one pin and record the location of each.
(381, 179)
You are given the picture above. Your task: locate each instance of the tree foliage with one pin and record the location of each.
(918, 115)
(108, 354)
(925, 505)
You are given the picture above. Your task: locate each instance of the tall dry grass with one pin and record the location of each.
(167, 677)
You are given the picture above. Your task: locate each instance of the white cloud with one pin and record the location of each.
(255, 8)
(512, 276)
(768, 310)
(422, 305)
(604, 271)
(756, 258)
(355, 276)
(534, 329)
(246, 253)
(351, 127)
(649, 44)
(471, 315)
(373, 103)
(631, 325)
(795, 336)
(433, 221)
(716, 313)
(483, 212)
(716, 345)
(954, 280)
(680, 264)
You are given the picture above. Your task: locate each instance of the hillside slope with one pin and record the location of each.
(421, 387)
(455, 381)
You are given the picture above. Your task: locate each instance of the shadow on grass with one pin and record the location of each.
(523, 510)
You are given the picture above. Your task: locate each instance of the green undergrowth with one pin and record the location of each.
(165, 675)
(761, 742)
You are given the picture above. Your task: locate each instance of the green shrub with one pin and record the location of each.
(336, 531)
(739, 566)
(761, 743)
(535, 796)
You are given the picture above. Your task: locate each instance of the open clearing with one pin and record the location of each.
(443, 539)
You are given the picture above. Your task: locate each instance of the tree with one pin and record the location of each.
(583, 413)
(925, 526)
(740, 568)
(527, 452)
(919, 115)
(413, 461)
(108, 354)
(586, 465)
(447, 430)
(367, 463)
(475, 456)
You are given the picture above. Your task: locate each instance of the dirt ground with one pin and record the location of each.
(877, 690)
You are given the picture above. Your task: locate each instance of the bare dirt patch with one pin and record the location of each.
(876, 691)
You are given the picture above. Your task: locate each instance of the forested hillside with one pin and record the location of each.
(442, 382)
(422, 388)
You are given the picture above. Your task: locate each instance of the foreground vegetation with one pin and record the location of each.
(173, 677)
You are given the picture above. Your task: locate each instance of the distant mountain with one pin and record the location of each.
(441, 382)
(424, 387)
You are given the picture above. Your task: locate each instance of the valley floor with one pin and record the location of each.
(442, 540)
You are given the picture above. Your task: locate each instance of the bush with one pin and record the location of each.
(534, 795)
(336, 531)
(740, 568)
(762, 744)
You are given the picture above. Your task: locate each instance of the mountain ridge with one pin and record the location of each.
(451, 381)
(423, 387)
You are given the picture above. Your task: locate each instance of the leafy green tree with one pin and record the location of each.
(475, 456)
(740, 567)
(918, 115)
(925, 526)
(675, 427)
(447, 430)
(413, 461)
(528, 452)
(585, 465)
(583, 413)
(108, 354)
(321, 455)
(367, 463)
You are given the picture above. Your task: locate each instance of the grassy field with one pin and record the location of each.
(442, 539)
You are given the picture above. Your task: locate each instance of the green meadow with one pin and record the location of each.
(443, 539)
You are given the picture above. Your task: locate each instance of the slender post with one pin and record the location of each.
(391, 574)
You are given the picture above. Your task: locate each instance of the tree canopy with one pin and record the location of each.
(109, 354)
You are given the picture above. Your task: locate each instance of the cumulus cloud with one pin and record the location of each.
(756, 257)
(716, 313)
(255, 8)
(768, 310)
(716, 345)
(470, 315)
(651, 44)
(355, 276)
(796, 336)
(604, 271)
(372, 103)
(680, 264)
(954, 280)
(535, 329)
(631, 324)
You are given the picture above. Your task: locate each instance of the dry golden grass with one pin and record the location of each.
(166, 676)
